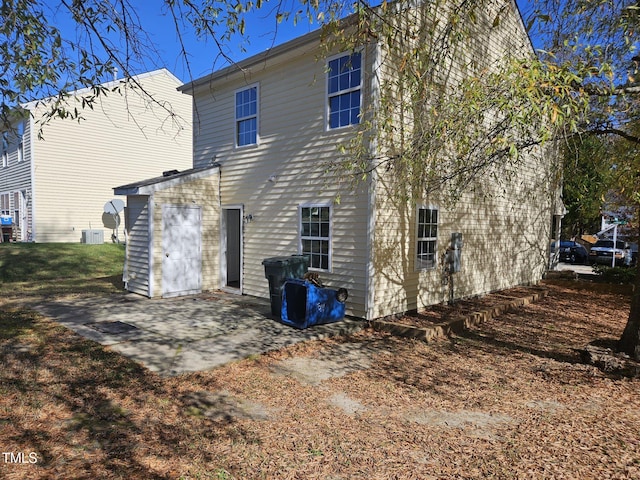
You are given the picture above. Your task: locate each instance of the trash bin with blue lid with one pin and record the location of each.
(279, 269)
(6, 225)
(305, 304)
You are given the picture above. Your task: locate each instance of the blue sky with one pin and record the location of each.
(262, 32)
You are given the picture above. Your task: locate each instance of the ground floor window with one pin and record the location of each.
(427, 238)
(315, 235)
(5, 208)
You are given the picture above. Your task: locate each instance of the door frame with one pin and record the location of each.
(223, 247)
(23, 214)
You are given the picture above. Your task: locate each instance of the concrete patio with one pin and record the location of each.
(185, 334)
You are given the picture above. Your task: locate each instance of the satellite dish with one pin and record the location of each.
(111, 216)
(114, 206)
(110, 221)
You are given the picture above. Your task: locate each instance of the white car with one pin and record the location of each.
(603, 251)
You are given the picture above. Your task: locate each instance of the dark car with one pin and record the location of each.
(572, 252)
(603, 251)
(634, 254)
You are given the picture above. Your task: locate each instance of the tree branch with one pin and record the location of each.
(614, 131)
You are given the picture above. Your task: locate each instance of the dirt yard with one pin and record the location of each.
(508, 399)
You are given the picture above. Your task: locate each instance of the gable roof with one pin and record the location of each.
(109, 84)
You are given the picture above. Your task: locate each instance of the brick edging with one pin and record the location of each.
(455, 325)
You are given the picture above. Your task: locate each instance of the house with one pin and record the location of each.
(265, 131)
(55, 181)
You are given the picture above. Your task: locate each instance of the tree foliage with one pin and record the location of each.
(40, 62)
(448, 110)
(597, 39)
(588, 178)
(465, 114)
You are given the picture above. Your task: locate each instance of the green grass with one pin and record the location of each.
(16, 324)
(60, 268)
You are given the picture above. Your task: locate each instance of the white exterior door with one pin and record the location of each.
(181, 250)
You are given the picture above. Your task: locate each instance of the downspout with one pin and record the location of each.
(370, 296)
(151, 231)
(558, 209)
(219, 184)
(125, 267)
(220, 239)
(31, 204)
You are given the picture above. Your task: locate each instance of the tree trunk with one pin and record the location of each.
(629, 343)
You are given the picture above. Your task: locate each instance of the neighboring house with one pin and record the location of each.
(55, 187)
(264, 133)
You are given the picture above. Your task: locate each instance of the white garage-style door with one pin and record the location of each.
(181, 250)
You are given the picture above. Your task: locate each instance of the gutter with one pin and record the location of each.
(243, 65)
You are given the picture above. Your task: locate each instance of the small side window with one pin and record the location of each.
(427, 238)
(315, 235)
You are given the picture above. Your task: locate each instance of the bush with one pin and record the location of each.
(615, 274)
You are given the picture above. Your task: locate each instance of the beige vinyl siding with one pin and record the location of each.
(202, 192)
(497, 33)
(505, 225)
(124, 138)
(293, 149)
(373, 242)
(137, 224)
(505, 229)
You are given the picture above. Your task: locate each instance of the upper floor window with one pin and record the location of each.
(5, 149)
(344, 90)
(21, 142)
(427, 238)
(315, 235)
(247, 116)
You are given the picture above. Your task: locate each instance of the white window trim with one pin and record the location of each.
(236, 119)
(327, 112)
(5, 206)
(417, 266)
(330, 237)
(21, 129)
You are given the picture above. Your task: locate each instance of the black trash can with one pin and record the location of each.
(279, 269)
